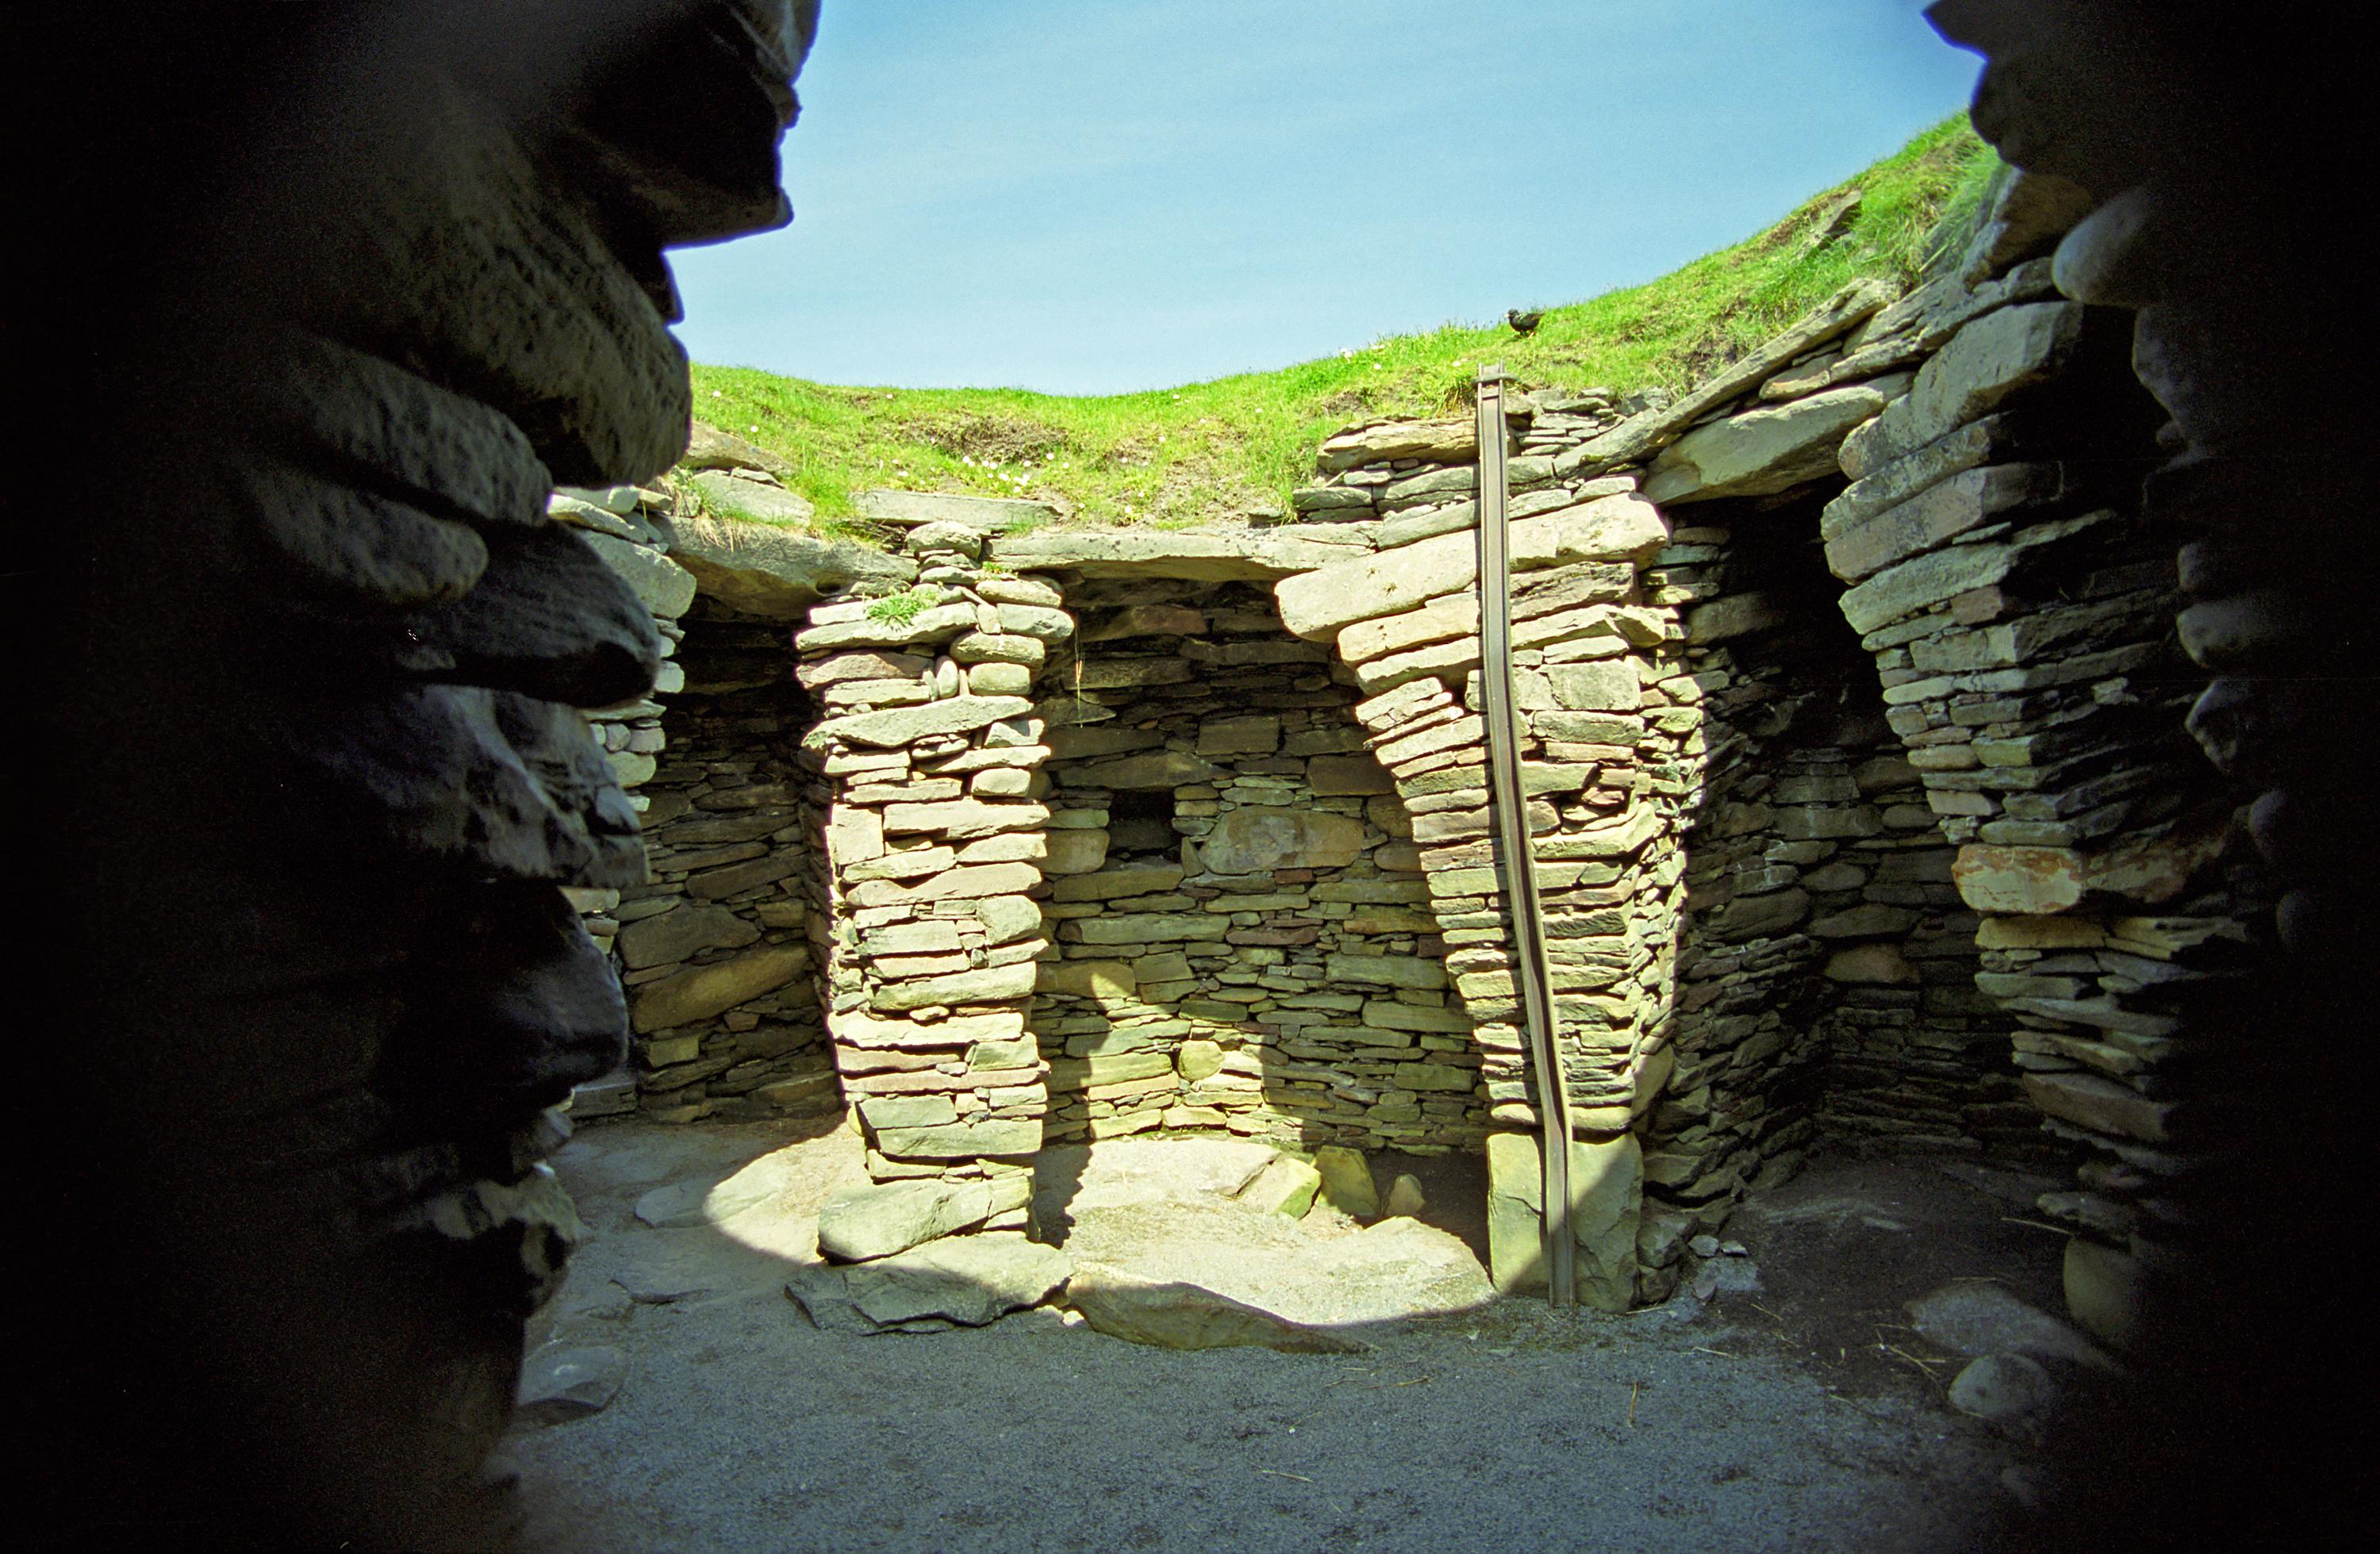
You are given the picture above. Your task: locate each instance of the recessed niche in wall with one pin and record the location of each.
(1140, 823)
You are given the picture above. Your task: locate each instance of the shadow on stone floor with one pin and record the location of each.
(728, 1420)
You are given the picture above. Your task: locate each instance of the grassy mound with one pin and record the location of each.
(1178, 457)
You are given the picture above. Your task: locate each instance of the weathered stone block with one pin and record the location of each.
(1258, 734)
(994, 1137)
(1198, 1059)
(902, 726)
(1386, 971)
(1440, 620)
(660, 584)
(985, 985)
(1609, 685)
(1319, 605)
(1390, 1015)
(1925, 581)
(1149, 928)
(1038, 622)
(2102, 1291)
(992, 647)
(962, 817)
(1939, 514)
(998, 679)
(1286, 1185)
(859, 1029)
(1773, 448)
(907, 1112)
(1348, 776)
(2102, 1104)
(1606, 1195)
(705, 990)
(1103, 980)
(1759, 916)
(1110, 1068)
(1007, 919)
(1347, 1181)
(1985, 362)
(1074, 851)
(677, 933)
(1255, 837)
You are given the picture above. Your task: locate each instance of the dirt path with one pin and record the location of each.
(1506, 1426)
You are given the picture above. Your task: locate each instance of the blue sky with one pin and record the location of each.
(1094, 196)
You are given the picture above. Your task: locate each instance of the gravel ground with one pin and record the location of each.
(1510, 1425)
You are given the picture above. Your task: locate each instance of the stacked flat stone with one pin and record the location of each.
(1827, 983)
(1222, 862)
(934, 830)
(1605, 762)
(630, 527)
(2219, 1065)
(711, 945)
(2020, 609)
(1241, 939)
(715, 949)
(1876, 953)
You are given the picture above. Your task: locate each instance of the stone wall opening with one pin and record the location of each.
(1242, 939)
(1826, 991)
(715, 952)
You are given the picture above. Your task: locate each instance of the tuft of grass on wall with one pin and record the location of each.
(1205, 451)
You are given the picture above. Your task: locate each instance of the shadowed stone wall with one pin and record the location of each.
(715, 947)
(1251, 951)
(2194, 155)
(335, 650)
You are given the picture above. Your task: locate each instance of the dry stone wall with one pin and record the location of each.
(935, 830)
(1611, 757)
(631, 529)
(1848, 795)
(1826, 989)
(1242, 934)
(1833, 928)
(2020, 608)
(715, 949)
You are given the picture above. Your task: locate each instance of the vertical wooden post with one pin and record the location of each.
(1511, 806)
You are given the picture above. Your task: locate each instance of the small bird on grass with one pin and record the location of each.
(1523, 322)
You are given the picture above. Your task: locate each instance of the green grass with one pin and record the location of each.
(1177, 457)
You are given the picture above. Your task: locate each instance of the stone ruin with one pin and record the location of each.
(1858, 800)
(1861, 792)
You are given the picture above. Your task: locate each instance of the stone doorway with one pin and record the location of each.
(1825, 991)
(1243, 938)
(715, 950)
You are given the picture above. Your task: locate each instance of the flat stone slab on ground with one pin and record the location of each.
(1176, 1316)
(1977, 1317)
(561, 1382)
(710, 1202)
(1137, 1172)
(966, 1280)
(1021, 1420)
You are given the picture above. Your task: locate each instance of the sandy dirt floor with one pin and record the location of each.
(1793, 1408)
